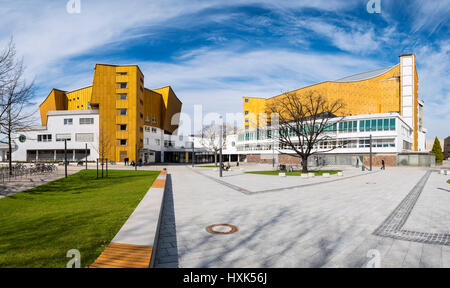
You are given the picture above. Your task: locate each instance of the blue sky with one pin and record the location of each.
(215, 52)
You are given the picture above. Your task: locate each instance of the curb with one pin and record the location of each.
(135, 245)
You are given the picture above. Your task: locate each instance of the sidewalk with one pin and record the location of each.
(322, 225)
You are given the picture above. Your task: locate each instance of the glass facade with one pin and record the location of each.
(377, 125)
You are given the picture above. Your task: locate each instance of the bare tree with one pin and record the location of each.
(16, 96)
(104, 146)
(210, 137)
(303, 121)
(7, 65)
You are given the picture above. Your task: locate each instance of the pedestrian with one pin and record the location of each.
(382, 164)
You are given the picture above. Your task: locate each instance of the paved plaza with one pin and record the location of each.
(399, 216)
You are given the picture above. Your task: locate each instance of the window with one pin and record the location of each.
(141, 129)
(62, 137)
(361, 125)
(45, 138)
(246, 127)
(123, 112)
(123, 127)
(386, 124)
(391, 124)
(86, 121)
(121, 73)
(154, 120)
(158, 142)
(141, 115)
(367, 125)
(246, 120)
(68, 121)
(246, 112)
(84, 137)
(154, 130)
(147, 141)
(140, 101)
(123, 85)
(374, 125)
(123, 96)
(123, 142)
(246, 100)
(379, 124)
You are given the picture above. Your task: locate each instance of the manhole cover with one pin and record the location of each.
(221, 229)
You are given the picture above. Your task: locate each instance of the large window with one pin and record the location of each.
(391, 124)
(44, 138)
(68, 121)
(386, 124)
(62, 137)
(86, 121)
(84, 137)
(379, 124)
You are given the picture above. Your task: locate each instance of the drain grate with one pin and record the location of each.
(221, 229)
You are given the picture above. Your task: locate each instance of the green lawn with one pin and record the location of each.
(295, 173)
(40, 225)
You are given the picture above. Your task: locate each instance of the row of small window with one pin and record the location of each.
(322, 145)
(79, 137)
(157, 141)
(377, 125)
(83, 121)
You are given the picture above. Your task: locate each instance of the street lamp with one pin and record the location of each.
(220, 150)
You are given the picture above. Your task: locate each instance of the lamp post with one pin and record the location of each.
(220, 150)
(370, 161)
(86, 154)
(273, 150)
(193, 152)
(65, 158)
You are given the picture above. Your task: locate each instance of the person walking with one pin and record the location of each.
(382, 164)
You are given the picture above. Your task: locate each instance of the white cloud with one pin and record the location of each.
(434, 88)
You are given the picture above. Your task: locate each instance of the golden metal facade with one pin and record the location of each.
(379, 94)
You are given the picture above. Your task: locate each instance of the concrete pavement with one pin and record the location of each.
(296, 222)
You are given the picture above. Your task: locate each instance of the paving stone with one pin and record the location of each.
(294, 222)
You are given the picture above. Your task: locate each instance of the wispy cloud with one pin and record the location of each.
(221, 51)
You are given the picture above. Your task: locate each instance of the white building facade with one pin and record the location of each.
(46, 143)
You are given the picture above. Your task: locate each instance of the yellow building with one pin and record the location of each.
(125, 106)
(391, 89)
